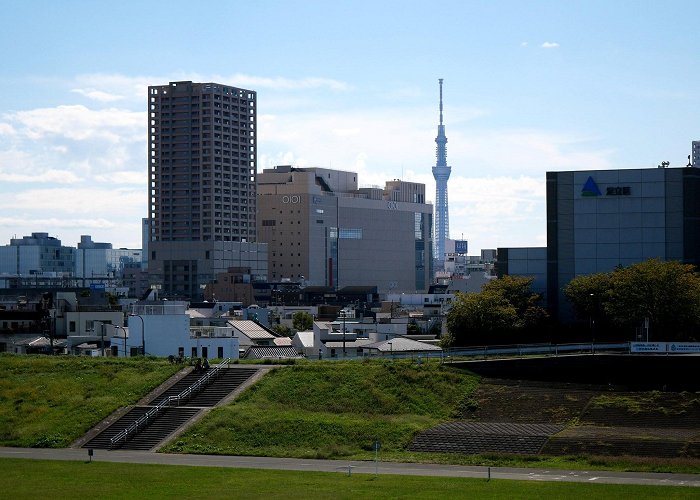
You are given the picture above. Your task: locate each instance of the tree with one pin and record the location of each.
(665, 293)
(282, 330)
(302, 321)
(518, 292)
(477, 315)
(504, 307)
(588, 295)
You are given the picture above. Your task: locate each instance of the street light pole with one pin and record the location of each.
(343, 313)
(143, 332)
(124, 333)
(592, 321)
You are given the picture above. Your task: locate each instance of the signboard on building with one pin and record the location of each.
(461, 246)
(683, 347)
(665, 347)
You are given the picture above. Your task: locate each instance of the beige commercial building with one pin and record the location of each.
(323, 230)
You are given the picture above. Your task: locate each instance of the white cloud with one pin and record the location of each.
(56, 222)
(279, 83)
(78, 123)
(73, 144)
(48, 176)
(95, 200)
(106, 86)
(7, 129)
(98, 95)
(550, 45)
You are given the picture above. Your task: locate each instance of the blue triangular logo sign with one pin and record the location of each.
(590, 188)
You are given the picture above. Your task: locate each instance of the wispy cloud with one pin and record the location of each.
(279, 83)
(107, 87)
(7, 129)
(98, 95)
(79, 122)
(550, 45)
(49, 176)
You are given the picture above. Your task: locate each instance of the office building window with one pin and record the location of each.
(350, 234)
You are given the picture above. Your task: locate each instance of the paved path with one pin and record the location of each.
(361, 467)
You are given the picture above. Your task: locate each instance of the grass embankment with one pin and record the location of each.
(50, 401)
(332, 409)
(118, 480)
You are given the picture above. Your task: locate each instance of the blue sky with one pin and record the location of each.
(530, 87)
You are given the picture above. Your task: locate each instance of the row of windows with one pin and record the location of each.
(350, 234)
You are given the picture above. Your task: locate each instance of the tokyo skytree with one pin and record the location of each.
(441, 173)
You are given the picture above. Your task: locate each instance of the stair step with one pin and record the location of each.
(171, 418)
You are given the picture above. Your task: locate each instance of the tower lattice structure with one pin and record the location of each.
(441, 173)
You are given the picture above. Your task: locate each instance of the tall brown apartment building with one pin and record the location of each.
(202, 173)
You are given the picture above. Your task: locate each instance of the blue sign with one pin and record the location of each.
(97, 286)
(460, 246)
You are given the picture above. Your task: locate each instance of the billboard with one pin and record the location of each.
(665, 347)
(461, 246)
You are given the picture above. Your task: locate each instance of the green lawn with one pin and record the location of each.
(332, 409)
(56, 479)
(50, 401)
(309, 409)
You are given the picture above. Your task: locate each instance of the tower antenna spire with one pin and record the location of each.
(440, 80)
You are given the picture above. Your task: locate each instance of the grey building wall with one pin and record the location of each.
(184, 268)
(525, 261)
(38, 253)
(632, 216)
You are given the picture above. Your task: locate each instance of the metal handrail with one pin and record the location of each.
(143, 419)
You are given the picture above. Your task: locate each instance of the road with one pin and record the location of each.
(355, 467)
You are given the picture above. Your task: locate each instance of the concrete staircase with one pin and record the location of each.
(147, 438)
(225, 383)
(171, 419)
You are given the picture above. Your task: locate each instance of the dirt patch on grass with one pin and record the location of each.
(528, 402)
(595, 420)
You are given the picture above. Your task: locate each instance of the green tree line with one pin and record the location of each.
(609, 306)
(664, 294)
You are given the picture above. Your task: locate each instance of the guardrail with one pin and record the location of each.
(495, 351)
(143, 420)
(527, 349)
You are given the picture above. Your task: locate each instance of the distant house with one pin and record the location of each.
(249, 333)
(399, 347)
(271, 352)
(309, 344)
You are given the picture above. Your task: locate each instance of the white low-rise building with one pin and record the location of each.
(163, 329)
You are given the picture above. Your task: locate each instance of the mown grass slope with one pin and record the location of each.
(332, 409)
(50, 401)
